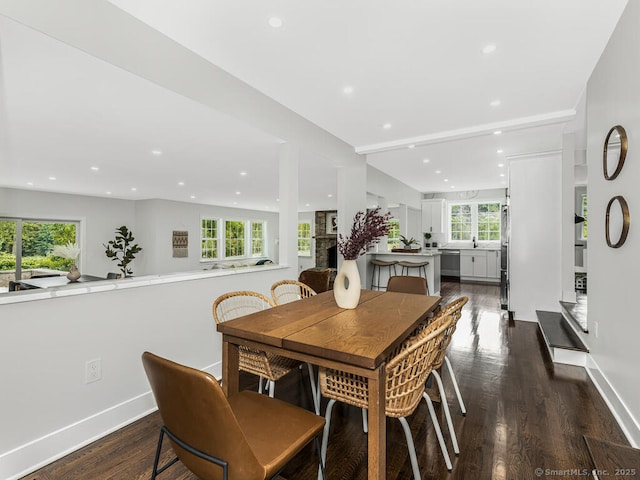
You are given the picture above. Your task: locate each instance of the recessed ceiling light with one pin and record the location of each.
(108, 193)
(52, 178)
(502, 174)
(348, 90)
(192, 197)
(30, 184)
(307, 204)
(330, 195)
(243, 173)
(499, 150)
(275, 22)
(489, 48)
(425, 160)
(386, 126)
(495, 103)
(501, 165)
(497, 132)
(133, 189)
(453, 186)
(95, 169)
(181, 184)
(277, 199)
(237, 193)
(438, 172)
(411, 146)
(157, 153)
(235, 203)
(446, 179)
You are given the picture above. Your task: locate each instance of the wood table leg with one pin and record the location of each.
(377, 425)
(230, 368)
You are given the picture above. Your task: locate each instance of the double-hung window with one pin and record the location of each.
(583, 235)
(393, 237)
(209, 236)
(304, 239)
(257, 239)
(234, 240)
(225, 238)
(480, 220)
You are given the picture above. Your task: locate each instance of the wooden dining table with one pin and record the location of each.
(317, 331)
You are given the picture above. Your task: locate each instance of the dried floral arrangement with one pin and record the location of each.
(70, 250)
(366, 230)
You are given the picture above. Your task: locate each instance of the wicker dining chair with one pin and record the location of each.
(453, 310)
(286, 291)
(269, 366)
(407, 370)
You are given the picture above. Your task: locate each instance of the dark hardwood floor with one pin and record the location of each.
(524, 413)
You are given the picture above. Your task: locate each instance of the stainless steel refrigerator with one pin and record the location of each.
(504, 259)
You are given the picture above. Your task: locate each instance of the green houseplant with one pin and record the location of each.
(122, 250)
(407, 242)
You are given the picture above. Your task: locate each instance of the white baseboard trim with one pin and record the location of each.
(623, 416)
(31, 456)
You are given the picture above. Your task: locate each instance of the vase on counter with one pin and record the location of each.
(74, 273)
(347, 296)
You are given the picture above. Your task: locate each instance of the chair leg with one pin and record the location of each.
(411, 447)
(447, 413)
(325, 436)
(436, 426)
(314, 391)
(260, 388)
(272, 388)
(365, 420)
(455, 385)
(320, 461)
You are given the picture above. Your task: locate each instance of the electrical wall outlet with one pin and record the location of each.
(93, 370)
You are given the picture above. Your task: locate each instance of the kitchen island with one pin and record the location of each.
(424, 255)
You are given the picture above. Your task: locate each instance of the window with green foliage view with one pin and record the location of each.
(480, 220)
(304, 239)
(393, 237)
(234, 239)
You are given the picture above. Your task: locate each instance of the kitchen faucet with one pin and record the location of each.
(475, 244)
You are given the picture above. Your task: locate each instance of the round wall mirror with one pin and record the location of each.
(615, 151)
(617, 221)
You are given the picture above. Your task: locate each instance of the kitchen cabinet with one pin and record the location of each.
(480, 264)
(473, 263)
(433, 215)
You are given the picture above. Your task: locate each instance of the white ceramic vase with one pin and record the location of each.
(74, 273)
(347, 297)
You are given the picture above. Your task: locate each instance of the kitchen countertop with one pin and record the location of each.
(470, 247)
(422, 253)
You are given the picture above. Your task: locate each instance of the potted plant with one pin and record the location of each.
(407, 242)
(427, 237)
(122, 250)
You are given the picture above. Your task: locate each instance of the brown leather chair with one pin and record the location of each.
(406, 284)
(317, 280)
(245, 437)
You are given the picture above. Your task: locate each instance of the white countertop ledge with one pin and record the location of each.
(131, 282)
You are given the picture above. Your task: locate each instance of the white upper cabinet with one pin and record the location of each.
(433, 215)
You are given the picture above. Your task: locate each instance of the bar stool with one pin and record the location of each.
(421, 266)
(377, 265)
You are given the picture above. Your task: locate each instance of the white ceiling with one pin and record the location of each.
(417, 65)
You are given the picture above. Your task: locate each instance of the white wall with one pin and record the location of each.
(613, 98)
(99, 216)
(535, 241)
(48, 409)
(392, 190)
(151, 221)
(156, 220)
